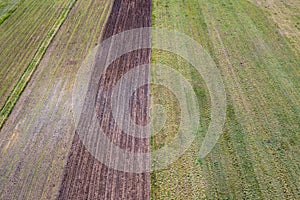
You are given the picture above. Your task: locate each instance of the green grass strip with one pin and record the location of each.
(11, 10)
(30, 69)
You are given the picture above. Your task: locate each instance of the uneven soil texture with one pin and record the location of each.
(36, 138)
(51, 144)
(85, 177)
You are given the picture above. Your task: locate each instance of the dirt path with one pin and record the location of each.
(84, 176)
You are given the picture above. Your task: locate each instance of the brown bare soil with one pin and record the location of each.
(84, 176)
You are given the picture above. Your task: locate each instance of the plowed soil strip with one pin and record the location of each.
(85, 177)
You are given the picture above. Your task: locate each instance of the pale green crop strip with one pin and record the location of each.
(8, 9)
(21, 84)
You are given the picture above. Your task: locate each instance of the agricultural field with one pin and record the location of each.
(25, 36)
(86, 177)
(36, 138)
(257, 155)
(45, 153)
(7, 8)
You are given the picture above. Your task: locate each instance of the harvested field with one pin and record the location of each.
(18, 62)
(256, 157)
(85, 177)
(286, 16)
(44, 153)
(36, 138)
(7, 8)
(21, 35)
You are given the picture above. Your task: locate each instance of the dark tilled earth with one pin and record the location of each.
(84, 176)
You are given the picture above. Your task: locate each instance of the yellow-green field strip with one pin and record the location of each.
(35, 140)
(257, 155)
(21, 35)
(22, 82)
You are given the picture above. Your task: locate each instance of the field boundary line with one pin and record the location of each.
(30, 69)
(10, 11)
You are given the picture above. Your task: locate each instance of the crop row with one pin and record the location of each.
(256, 156)
(36, 138)
(21, 35)
(29, 70)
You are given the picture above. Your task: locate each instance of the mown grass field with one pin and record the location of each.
(257, 157)
(36, 138)
(286, 16)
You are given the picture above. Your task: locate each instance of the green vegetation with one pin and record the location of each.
(257, 155)
(286, 16)
(39, 131)
(256, 51)
(29, 70)
(21, 36)
(7, 8)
